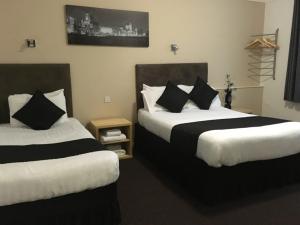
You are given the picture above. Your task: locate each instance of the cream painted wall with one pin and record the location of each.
(213, 31)
(279, 14)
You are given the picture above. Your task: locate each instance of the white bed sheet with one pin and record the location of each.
(231, 146)
(45, 179)
(67, 131)
(162, 122)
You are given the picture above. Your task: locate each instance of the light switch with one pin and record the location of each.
(107, 99)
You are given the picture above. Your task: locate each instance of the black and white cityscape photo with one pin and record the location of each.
(97, 26)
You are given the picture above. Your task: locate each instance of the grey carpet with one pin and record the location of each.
(148, 197)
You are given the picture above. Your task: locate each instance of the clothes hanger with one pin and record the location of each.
(253, 44)
(261, 43)
(269, 42)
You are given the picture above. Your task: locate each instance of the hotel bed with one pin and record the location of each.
(217, 153)
(229, 147)
(57, 176)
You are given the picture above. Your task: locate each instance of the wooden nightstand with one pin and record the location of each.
(243, 110)
(96, 126)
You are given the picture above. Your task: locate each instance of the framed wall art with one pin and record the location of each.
(108, 27)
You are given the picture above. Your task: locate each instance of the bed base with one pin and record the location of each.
(93, 207)
(214, 185)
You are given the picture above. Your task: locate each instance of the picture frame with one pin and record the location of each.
(106, 27)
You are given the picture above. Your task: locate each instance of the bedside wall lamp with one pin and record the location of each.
(174, 48)
(31, 43)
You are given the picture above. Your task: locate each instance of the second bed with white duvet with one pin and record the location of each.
(228, 147)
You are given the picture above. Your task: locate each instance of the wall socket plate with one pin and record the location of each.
(107, 99)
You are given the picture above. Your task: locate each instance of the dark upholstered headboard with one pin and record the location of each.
(160, 74)
(27, 78)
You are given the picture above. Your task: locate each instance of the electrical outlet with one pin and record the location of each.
(107, 99)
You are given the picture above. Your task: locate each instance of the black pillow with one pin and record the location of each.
(173, 98)
(202, 94)
(39, 113)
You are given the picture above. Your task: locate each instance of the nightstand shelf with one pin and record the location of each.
(114, 142)
(99, 125)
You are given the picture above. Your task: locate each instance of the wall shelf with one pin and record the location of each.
(263, 55)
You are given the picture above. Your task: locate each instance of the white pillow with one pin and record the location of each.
(158, 89)
(150, 96)
(17, 101)
(146, 100)
(216, 103)
(189, 104)
(186, 88)
(150, 99)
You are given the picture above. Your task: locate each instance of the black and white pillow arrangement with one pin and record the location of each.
(38, 111)
(176, 98)
(173, 98)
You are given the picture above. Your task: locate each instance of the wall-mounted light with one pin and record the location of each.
(174, 48)
(30, 43)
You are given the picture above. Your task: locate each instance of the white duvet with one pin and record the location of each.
(231, 146)
(45, 179)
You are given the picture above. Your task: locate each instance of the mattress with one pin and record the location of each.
(45, 179)
(228, 147)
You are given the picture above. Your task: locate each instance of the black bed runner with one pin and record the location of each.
(9, 154)
(184, 137)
